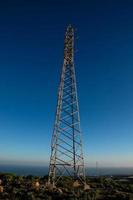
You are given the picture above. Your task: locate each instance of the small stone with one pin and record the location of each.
(1, 189)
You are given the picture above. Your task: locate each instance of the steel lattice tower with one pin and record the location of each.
(66, 147)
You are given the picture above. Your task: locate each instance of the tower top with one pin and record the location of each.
(69, 45)
(70, 29)
(70, 26)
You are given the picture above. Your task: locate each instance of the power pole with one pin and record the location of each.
(97, 168)
(66, 148)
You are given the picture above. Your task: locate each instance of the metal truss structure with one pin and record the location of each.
(66, 148)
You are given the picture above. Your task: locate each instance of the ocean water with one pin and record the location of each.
(43, 170)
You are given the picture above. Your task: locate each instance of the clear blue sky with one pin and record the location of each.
(31, 57)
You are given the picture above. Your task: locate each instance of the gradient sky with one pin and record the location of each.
(31, 57)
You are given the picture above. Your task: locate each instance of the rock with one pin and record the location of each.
(37, 184)
(76, 184)
(87, 187)
(1, 189)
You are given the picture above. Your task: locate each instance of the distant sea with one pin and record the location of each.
(42, 171)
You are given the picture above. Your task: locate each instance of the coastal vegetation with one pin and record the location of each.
(13, 187)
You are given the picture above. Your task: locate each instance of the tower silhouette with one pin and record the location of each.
(66, 148)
